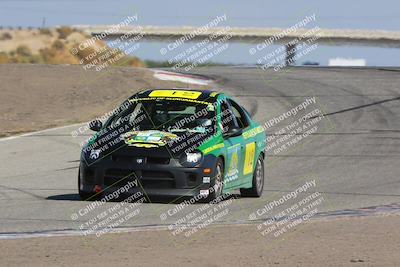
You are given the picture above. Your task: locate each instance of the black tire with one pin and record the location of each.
(216, 182)
(258, 181)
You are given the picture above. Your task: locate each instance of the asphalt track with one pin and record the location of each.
(354, 155)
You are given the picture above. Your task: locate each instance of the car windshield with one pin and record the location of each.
(178, 115)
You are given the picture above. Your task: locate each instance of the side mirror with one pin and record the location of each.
(232, 132)
(95, 125)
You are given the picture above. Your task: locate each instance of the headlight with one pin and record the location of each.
(191, 158)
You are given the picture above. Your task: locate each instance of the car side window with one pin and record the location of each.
(228, 119)
(239, 114)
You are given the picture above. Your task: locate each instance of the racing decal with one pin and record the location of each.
(206, 179)
(144, 145)
(147, 139)
(233, 170)
(249, 158)
(204, 193)
(175, 93)
(169, 98)
(253, 132)
(213, 94)
(214, 147)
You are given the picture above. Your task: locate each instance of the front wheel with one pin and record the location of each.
(217, 181)
(258, 181)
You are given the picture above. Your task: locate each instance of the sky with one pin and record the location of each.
(360, 14)
(338, 14)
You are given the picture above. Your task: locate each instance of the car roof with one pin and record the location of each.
(206, 95)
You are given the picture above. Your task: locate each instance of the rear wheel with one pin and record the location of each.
(258, 181)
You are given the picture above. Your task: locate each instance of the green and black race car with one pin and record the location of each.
(175, 142)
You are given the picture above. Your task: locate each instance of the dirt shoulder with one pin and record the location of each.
(35, 97)
(359, 241)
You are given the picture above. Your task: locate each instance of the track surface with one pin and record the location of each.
(354, 156)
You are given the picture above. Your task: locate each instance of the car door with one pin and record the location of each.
(248, 144)
(233, 145)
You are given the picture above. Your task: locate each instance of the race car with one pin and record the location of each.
(174, 142)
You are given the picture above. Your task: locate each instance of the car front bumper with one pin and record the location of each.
(153, 178)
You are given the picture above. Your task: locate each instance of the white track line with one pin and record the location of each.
(38, 132)
(65, 233)
(179, 77)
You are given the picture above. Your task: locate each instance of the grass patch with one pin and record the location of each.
(64, 32)
(58, 51)
(5, 36)
(45, 31)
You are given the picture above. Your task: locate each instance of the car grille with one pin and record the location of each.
(117, 177)
(148, 178)
(157, 179)
(155, 160)
(148, 160)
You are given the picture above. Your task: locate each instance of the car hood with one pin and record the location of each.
(142, 143)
